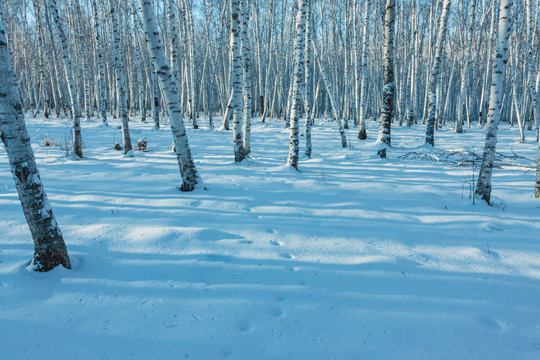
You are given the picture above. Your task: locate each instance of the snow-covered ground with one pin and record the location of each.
(352, 258)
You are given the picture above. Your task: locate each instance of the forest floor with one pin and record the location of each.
(354, 257)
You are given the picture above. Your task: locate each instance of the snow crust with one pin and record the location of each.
(354, 257)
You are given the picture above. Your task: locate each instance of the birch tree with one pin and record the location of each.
(76, 109)
(464, 90)
(297, 83)
(188, 171)
(307, 84)
(236, 56)
(389, 85)
(99, 55)
(120, 77)
(483, 187)
(435, 71)
(246, 79)
(362, 133)
(49, 247)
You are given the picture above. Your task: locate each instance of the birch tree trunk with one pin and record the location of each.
(49, 247)
(465, 72)
(101, 74)
(362, 133)
(75, 107)
(122, 99)
(307, 84)
(483, 187)
(247, 79)
(435, 71)
(188, 171)
(389, 85)
(236, 56)
(531, 64)
(335, 112)
(297, 85)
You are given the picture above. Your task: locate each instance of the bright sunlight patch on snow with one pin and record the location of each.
(352, 258)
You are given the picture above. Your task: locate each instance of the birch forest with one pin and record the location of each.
(270, 179)
(406, 63)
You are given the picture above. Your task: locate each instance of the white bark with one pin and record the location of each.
(335, 112)
(118, 66)
(188, 171)
(76, 109)
(307, 84)
(435, 71)
(236, 81)
(298, 82)
(362, 133)
(464, 90)
(483, 188)
(389, 85)
(101, 74)
(49, 247)
(247, 79)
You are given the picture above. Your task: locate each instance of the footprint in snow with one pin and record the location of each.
(275, 243)
(243, 326)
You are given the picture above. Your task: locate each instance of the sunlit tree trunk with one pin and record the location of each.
(122, 99)
(483, 188)
(49, 247)
(76, 109)
(188, 171)
(435, 71)
(247, 78)
(389, 85)
(298, 82)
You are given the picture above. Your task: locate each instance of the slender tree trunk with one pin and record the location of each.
(362, 133)
(188, 171)
(335, 112)
(483, 188)
(101, 74)
(307, 84)
(76, 109)
(464, 89)
(246, 57)
(49, 247)
(435, 71)
(122, 99)
(236, 56)
(389, 85)
(298, 82)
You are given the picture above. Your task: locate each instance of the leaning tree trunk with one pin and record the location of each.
(76, 109)
(297, 87)
(389, 85)
(49, 247)
(335, 112)
(483, 188)
(188, 171)
(122, 99)
(434, 77)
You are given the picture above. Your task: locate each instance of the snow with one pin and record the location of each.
(354, 257)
